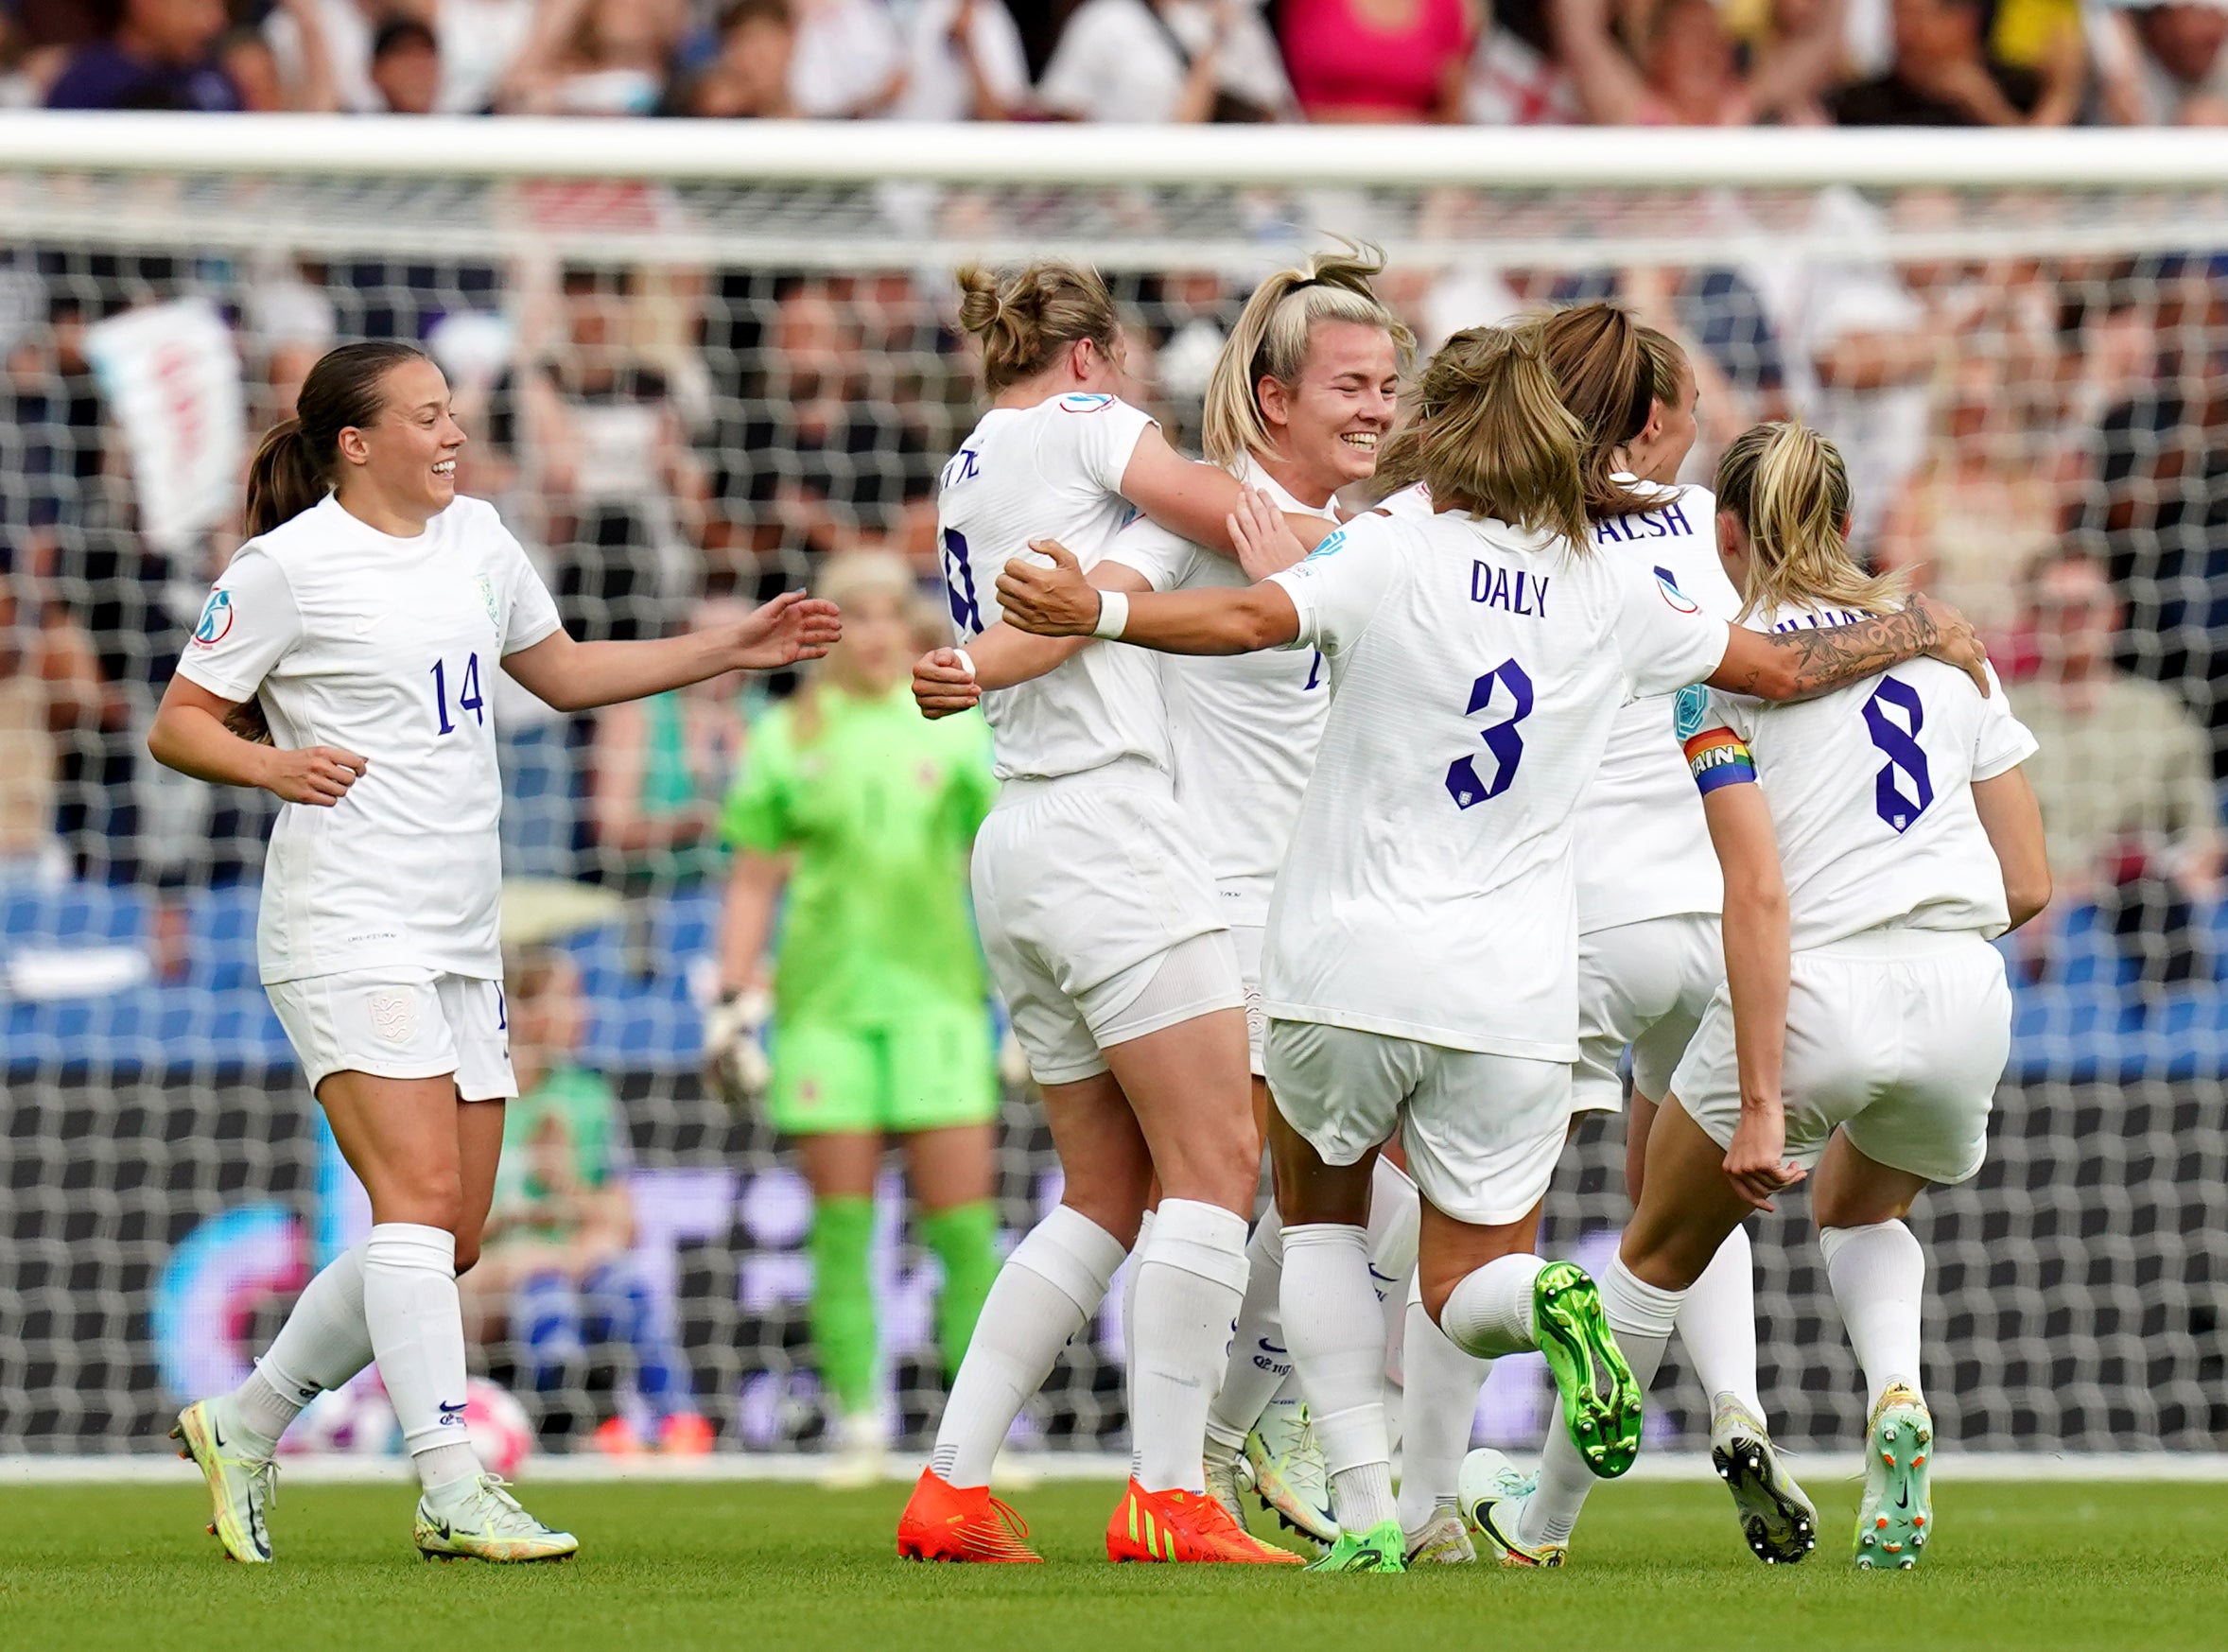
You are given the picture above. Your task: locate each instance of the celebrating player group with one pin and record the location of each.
(1485, 764)
(1446, 813)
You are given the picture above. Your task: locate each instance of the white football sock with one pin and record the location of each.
(1189, 1291)
(1337, 1341)
(1129, 1312)
(1718, 1325)
(417, 1332)
(1049, 1286)
(323, 1343)
(1488, 1312)
(1641, 1317)
(1878, 1274)
(1439, 1407)
(1260, 1364)
(1396, 1217)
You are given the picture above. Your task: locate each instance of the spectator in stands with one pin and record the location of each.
(1517, 76)
(28, 68)
(662, 766)
(1684, 68)
(962, 62)
(158, 56)
(1985, 504)
(1943, 74)
(596, 420)
(1380, 61)
(1171, 60)
(849, 61)
(595, 57)
(748, 77)
(556, 1261)
(2164, 65)
(405, 67)
(50, 687)
(2123, 776)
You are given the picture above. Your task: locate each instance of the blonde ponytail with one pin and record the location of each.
(1272, 337)
(1493, 437)
(1788, 489)
(1027, 317)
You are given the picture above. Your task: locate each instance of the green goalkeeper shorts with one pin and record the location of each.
(932, 1068)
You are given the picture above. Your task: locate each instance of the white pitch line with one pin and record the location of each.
(1820, 1468)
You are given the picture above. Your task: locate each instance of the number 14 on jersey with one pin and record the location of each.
(468, 695)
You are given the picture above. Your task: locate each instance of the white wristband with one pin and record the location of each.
(965, 659)
(1113, 614)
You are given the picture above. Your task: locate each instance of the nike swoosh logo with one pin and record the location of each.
(363, 627)
(217, 1434)
(1903, 1497)
(1269, 1347)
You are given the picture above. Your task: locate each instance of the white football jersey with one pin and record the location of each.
(1474, 671)
(1245, 726)
(1050, 471)
(1870, 789)
(1644, 845)
(387, 647)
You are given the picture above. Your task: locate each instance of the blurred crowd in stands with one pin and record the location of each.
(2043, 442)
(1617, 62)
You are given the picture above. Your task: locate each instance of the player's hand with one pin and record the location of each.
(1263, 537)
(944, 682)
(1049, 601)
(735, 1047)
(790, 628)
(1757, 1163)
(1955, 643)
(317, 775)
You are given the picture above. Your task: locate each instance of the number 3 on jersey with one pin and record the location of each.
(468, 695)
(1893, 716)
(1504, 739)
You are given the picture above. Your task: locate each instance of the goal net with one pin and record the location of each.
(696, 360)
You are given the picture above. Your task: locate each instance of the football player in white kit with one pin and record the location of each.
(359, 631)
(1301, 394)
(1098, 915)
(1872, 841)
(1420, 972)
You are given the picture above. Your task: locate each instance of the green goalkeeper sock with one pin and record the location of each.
(843, 1300)
(965, 1238)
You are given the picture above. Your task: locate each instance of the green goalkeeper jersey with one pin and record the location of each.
(880, 808)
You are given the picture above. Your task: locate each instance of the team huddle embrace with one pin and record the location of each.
(1413, 775)
(1438, 820)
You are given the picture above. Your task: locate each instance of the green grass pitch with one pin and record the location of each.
(750, 1567)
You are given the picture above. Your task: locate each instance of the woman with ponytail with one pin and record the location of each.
(1101, 922)
(1420, 962)
(361, 624)
(1865, 1021)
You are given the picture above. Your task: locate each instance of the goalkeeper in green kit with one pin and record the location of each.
(863, 814)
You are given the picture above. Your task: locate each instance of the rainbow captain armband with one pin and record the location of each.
(1717, 756)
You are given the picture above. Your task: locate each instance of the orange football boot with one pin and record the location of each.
(943, 1521)
(1185, 1525)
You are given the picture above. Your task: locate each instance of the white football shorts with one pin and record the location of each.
(1483, 1132)
(1898, 1036)
(1098, 916)
(1246, 941)
(1642, 985)
(400, 1023)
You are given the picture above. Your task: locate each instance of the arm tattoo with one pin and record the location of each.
(1826, 659)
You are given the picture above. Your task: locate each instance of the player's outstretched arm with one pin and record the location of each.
(1056, 601)
(946, 680)
(1801, 665)
(190, 735)
(579, 676)
(1757, 967)
(1194, 498)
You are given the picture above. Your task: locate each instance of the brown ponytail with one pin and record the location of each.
(1027, 317)
(293, 468)
(1607, 376)
(1494, 439)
